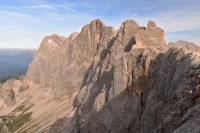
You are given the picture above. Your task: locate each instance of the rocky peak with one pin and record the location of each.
(98, 81)
(80, 49)
(131, 35)
(129, 23)
(156, 36)
(73, 36)
(151, 24)
(127, 32)
(71, 59)
(52, 42)
(95, 26)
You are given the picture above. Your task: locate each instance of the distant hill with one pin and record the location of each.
(184, 44)
(14, 62)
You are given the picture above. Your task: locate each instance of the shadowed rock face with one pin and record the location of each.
(125, 81)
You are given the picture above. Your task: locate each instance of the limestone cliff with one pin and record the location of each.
(107, 80)
(62, 62)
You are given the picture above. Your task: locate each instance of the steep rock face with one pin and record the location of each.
(112, 82)
(134, 87)
(131, 98)
(60, 57)
(168, 100)
(62, 62)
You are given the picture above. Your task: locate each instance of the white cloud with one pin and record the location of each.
(40, 18)
(11, 13)
(178, 21)
(44, 6)
(27, 29)
(170, 21)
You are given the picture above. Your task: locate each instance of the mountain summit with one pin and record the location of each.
(106, 80)
(60, 57)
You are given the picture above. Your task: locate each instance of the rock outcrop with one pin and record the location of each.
(103, 80)
(8, 94)
(3, 127)
(185, 45)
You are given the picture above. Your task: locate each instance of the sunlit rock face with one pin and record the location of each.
(60, 57)
(103, 80)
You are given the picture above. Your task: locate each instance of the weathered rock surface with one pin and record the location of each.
(61, 62)
(185, 45)
(3, 127)
(71, 57)
(125, 81)
(8, 94)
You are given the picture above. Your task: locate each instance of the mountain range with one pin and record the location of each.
(104, 80)
(14, 62)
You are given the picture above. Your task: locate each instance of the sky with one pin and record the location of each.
(24, 23)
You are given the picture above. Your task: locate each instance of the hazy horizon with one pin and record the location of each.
(14, 62)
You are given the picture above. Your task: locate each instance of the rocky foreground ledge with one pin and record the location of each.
(103, 80)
